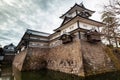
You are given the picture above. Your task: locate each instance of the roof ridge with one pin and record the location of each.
(36, 31)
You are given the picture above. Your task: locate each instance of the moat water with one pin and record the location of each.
(7, 73)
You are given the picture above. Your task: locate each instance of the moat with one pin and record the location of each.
(7, 73)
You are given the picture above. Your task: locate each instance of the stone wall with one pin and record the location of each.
(19, 60)
(95, 58)
(31, 59)
(66, 58)
(35, 58)
(78, 57)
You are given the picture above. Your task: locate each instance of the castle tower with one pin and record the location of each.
(77, 19)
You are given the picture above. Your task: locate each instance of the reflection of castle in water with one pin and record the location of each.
(6, 73)
(75, 47)
(52, 75)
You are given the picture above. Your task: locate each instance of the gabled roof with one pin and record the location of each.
(66, 20)
(10, 45)
(29, 31)
(81, 4)
(77, 7)
(83, 19)
(34, 33)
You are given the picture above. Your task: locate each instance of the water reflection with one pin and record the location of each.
(6, 74)
(44, 75)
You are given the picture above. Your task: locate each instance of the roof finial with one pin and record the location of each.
(81, 4)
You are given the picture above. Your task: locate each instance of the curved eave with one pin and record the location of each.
(82, 19)
(75, 8)
(21, 41)
(90, 21)
(54, 34)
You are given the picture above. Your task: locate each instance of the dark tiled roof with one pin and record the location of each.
(34, 33)
(81, 6)
(37, 32)
(80, 17)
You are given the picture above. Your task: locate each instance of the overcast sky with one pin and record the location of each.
(42, 15)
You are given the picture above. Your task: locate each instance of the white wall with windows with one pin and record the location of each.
(87, 26)
(38, 44)
(65, 30)
(69, 28)
(39, 38)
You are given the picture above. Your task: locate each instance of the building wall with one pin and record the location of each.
(19, 60)
(35, 58)
(95, 59)
(65, 30)
(69, 28)
(55, 36)
(39, 44)
(78, 57)
(32, 58)
(66, 58)
(55, 43)
(87, 26)
(39, 38)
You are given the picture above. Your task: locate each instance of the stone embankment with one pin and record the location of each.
(78, 57)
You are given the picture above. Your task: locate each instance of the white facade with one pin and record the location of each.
(75, 26)
(53, 37)
(87, 26)
(38, 44)
(69, 28)
(66, 30)
(39, 38)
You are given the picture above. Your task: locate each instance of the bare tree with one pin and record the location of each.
(111, 19)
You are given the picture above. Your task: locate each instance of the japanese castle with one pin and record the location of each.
(76, 24)
(75, 47)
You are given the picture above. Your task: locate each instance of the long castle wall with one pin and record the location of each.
(78, 57)
(65, 58)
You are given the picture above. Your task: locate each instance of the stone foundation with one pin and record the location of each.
(66, 58)
(35, 59)
(19, 60)
(78, 57)
(95, 58)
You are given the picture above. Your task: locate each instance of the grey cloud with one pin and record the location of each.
(4, 38)
(41, 15)
(43, 4)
